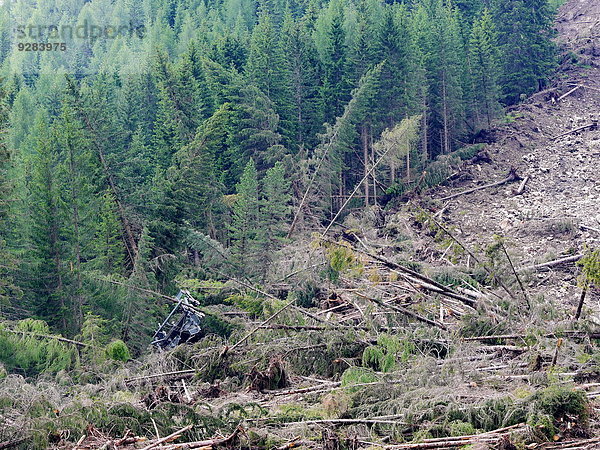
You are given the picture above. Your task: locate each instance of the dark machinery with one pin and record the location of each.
(182, 325)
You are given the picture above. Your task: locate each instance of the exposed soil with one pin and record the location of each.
(558, 213)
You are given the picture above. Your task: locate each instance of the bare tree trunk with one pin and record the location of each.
(374, 168)
(365, 146)
(581, 302)
(446, 124)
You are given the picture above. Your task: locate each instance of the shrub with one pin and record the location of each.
(118, 351)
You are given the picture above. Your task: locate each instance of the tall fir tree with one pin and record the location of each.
(528, 53)
(274, 212)
(244, 227)
(483, 63)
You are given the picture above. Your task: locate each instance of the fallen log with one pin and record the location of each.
(564, 334)
(344, 422)
(171, 375)
(551, 264)
(592, 125)
(168, 438)
(48, 336)
(512, 176)
(572, 91)
(460, 441)
(586, 228)
(405, 311)
(423, 281)
(206, 445)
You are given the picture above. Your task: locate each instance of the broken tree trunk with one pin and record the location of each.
(47, 336)
(169, 438)
(581, 302)
(591, 125)
(522, 186)
(171, 375)
(551, 264)
(572, 91)
(406, 312)
(208, 444)
(512, 176)
(423, 281)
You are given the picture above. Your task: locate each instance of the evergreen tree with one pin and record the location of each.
(107, 244)
(301, 69)
(47, 296)
(244, 227)
(8, 264)
(528, 53)
(335, 90)
(77, 168)
(274, 212)
(484, 69)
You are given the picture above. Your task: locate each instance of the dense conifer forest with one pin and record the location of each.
(194, 134)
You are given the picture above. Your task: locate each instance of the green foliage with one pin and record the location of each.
(118, 351)
(181, 153)
(342, 259)
(590, 268)
(357, 375)
(29, 351)
(388, 353)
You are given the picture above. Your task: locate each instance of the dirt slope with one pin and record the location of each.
(563, 190)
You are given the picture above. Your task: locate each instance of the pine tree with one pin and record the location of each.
(8, 264)
(528, 53)
(77, 169)
(483, 52)
(47, 289)
(243, 231)
(274, 212)
(107, 244)
(396, 92)
(266, 69)
(301, 69)
(334, 91)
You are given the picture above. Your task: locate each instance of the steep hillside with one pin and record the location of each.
(557, 214)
